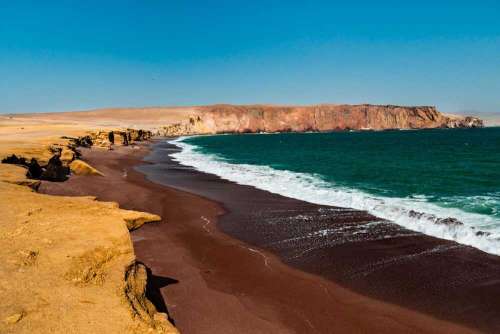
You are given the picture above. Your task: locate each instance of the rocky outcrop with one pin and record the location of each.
(68, 264)
(464, 122)
(263, 118)
(64, 158)
(69, 254)
(140, 307)
(83, 141)
(79, 167)
(55, 170)
(119, 137)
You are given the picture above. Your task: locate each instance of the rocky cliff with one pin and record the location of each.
(68, 263)
(263, 118)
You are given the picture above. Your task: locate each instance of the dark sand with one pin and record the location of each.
(211, 282)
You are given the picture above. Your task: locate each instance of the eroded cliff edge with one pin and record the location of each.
(264, 118)
(68, 263)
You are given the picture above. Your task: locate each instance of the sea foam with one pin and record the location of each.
(414, 213)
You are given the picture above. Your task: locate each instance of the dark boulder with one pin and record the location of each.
(111, 137)
(415, 214)
(34, 169)
(85, 141)
(15, 160)
(449, 221)
(125, 138)
(55, 171)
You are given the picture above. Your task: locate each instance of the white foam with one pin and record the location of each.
(313, 189)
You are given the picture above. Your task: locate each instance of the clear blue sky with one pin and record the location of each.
(70, 55)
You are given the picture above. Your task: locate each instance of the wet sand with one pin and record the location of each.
(267, 266)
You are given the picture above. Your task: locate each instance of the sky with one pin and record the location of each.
(76, 55)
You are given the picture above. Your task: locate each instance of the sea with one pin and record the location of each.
(441, 182)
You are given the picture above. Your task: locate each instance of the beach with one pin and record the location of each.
(220, 267)
(279, 167)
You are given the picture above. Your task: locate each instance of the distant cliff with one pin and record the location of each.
(263, 118)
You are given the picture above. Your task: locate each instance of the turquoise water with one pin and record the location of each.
(413, 178)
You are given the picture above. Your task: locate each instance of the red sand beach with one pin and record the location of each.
(212, 282)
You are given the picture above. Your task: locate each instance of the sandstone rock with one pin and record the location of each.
(140, 307)
(79, 167)
(72, 255)
(85, 141)
(262, 118)
(136, 219)
(74, 141)
(67, 155)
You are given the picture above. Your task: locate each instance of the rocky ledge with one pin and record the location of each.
(320, 118)
(68, 262)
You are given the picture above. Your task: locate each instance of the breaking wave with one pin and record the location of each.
(414, 213)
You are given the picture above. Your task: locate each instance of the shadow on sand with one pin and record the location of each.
(153, 291)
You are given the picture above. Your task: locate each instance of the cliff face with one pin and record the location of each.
(261, 118)
(68, 263)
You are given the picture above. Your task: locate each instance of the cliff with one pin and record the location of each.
(68, 263)
(263, 118)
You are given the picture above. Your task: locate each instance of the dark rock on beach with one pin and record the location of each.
(15, 160)
(111, 137)
(55, 171)
(449, 221)
(34, 169)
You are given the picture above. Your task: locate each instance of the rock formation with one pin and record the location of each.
(34, 169)
(68, 265)
(64, 157)
(263, 118)
(67, 262)
(55, 170)
(118, 137)
(79, 167)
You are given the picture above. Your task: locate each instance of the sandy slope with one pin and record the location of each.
(149, 117)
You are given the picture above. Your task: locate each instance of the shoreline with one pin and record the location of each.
(213, 282)
(390, 263)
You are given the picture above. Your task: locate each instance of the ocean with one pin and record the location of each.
(444, 182)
